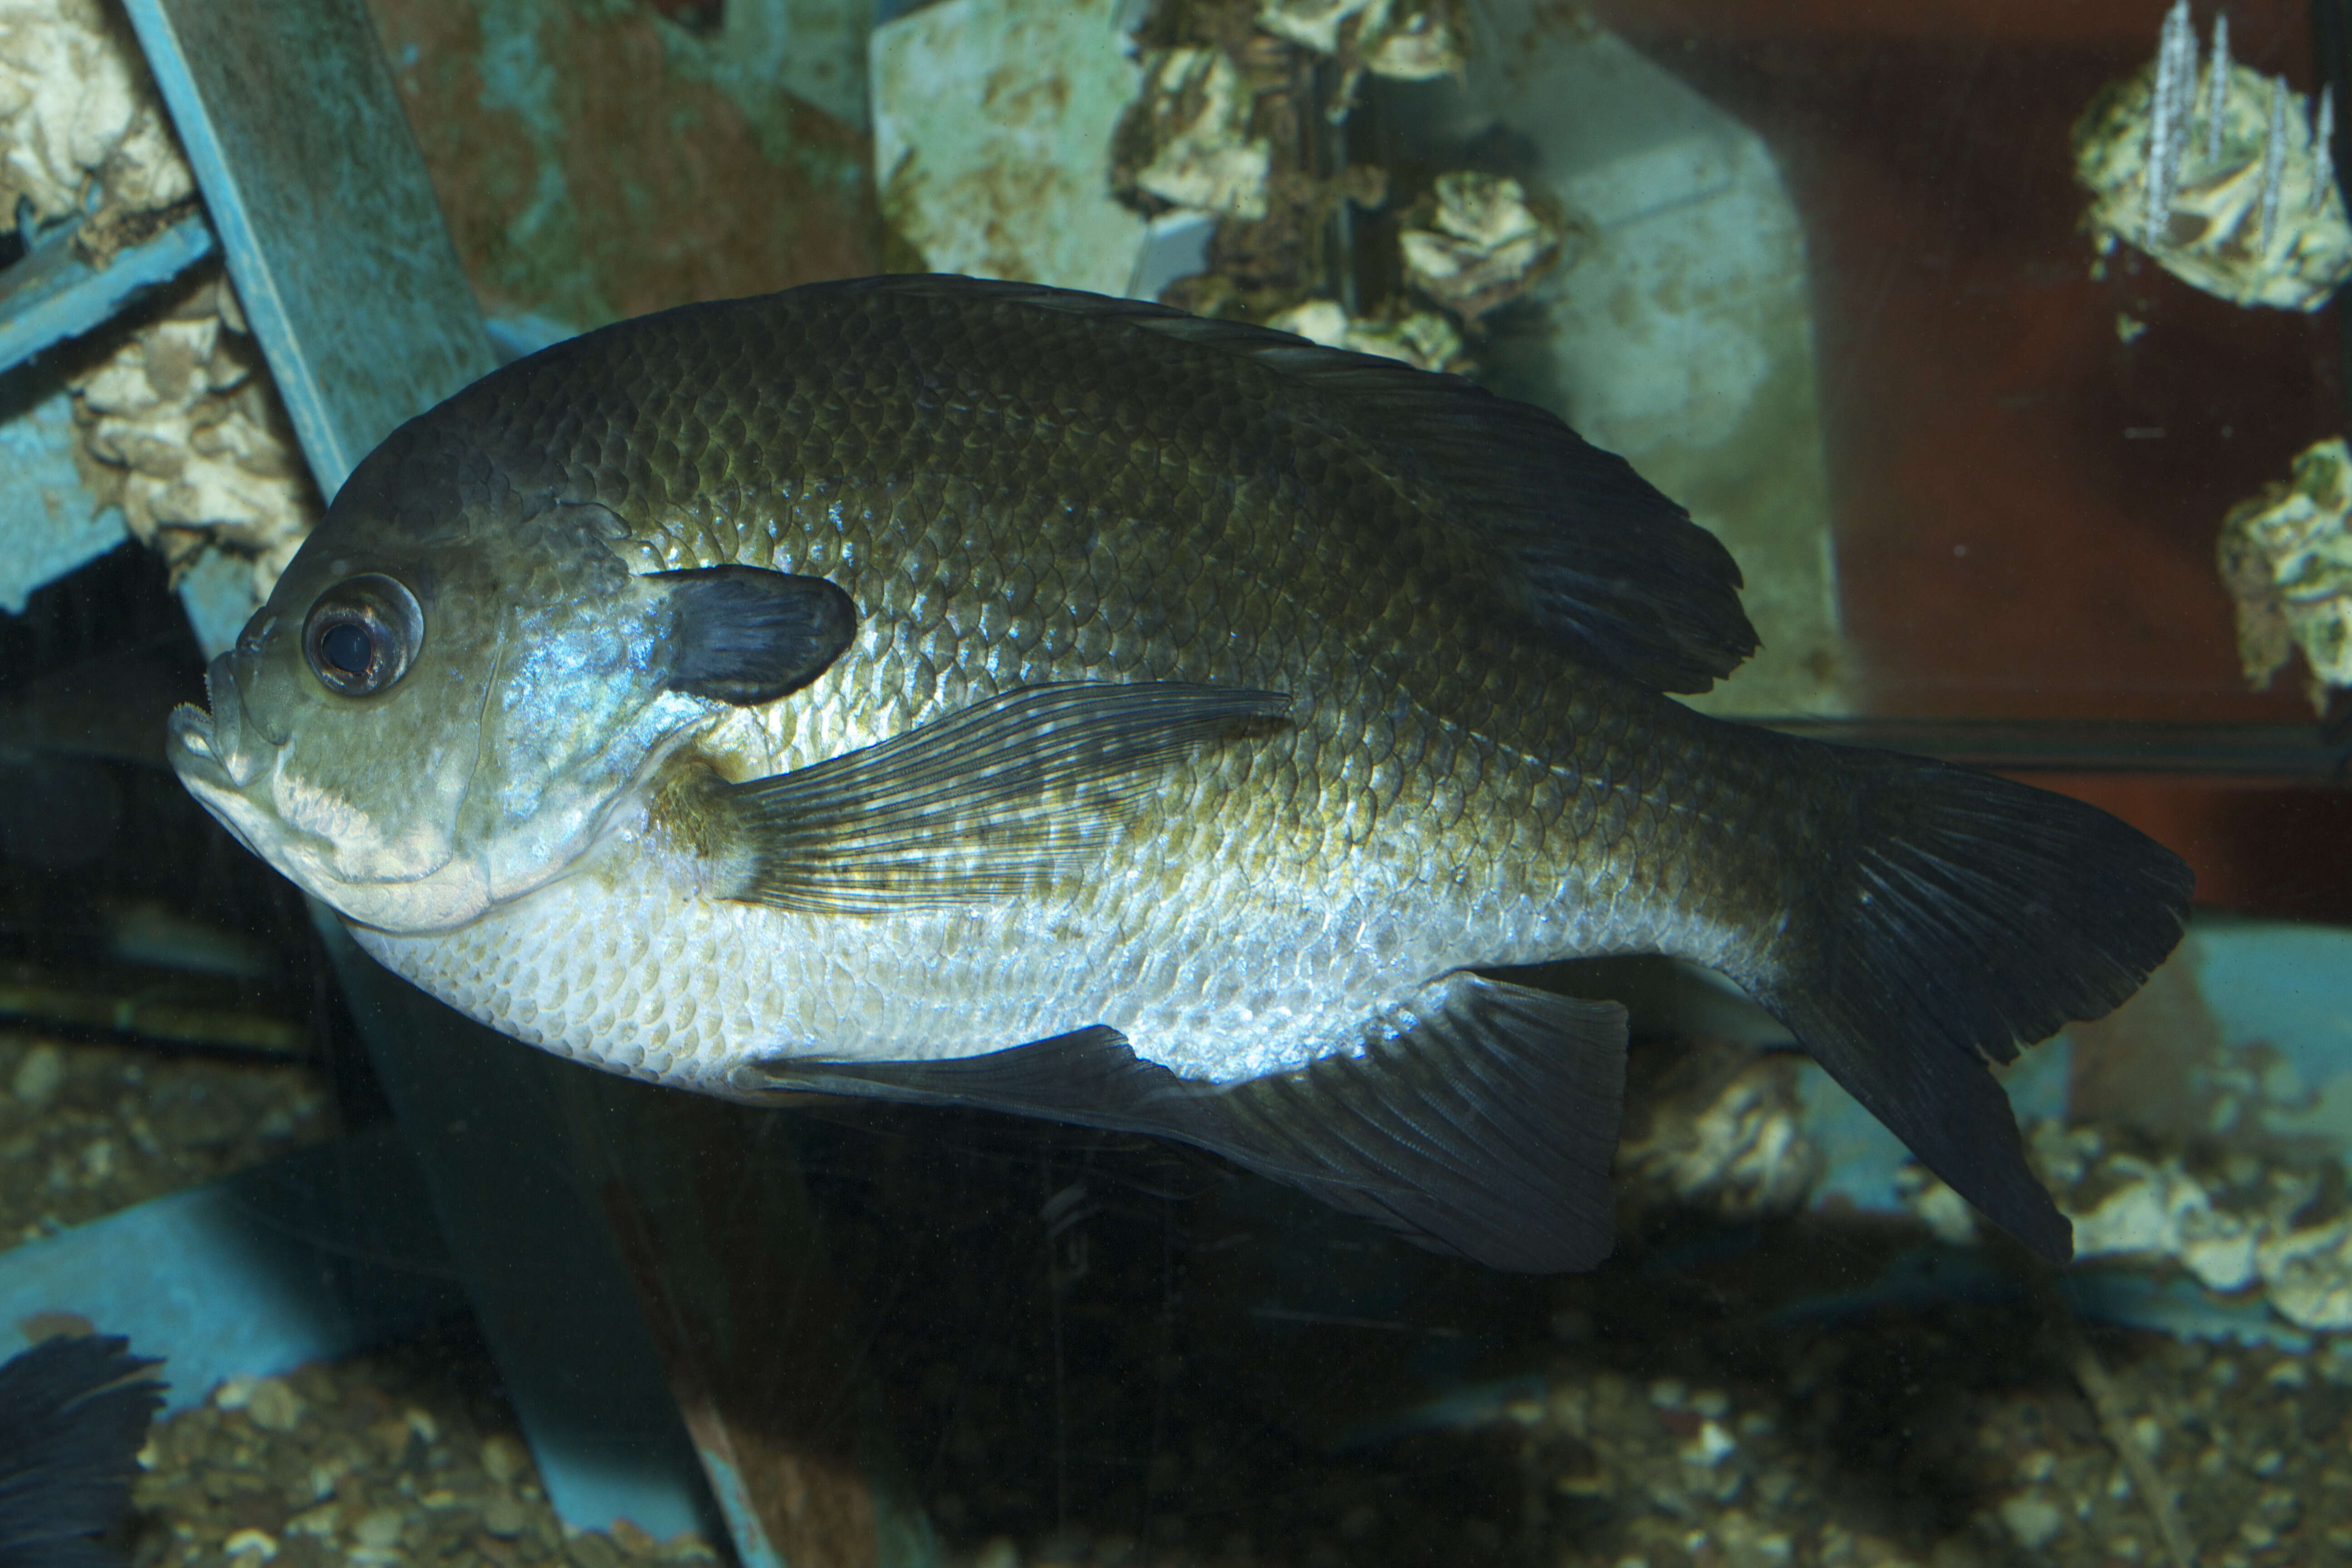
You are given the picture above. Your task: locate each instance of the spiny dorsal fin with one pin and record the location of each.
(1591, 553)
(1481, 1121)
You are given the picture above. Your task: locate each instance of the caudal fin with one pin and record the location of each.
(1951, 916)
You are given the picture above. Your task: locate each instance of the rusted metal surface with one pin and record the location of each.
(595, 164)
(730, 1266)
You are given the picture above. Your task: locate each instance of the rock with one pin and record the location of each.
(1196, 110)
(1483, 244)
(502, 1515)
(503, 1459)
(2032, 1518)
(2240, 199)
(2287, 556)
(40, 1075)
(378, 1528)
(1420, 338)
(255, 1545)
(273, 1406)
(80, 127)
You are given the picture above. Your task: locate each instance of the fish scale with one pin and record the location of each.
(1199, 709)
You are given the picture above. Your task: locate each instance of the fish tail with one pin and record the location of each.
(73, 1416)
(1943, 917)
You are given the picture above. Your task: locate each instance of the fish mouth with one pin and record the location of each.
(211, 747)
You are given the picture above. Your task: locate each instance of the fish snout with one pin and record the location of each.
(188, 746)
(215, 748)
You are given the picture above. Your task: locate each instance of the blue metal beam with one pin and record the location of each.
(292, 124)
(53, 294)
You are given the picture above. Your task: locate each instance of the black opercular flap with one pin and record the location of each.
(747, 634)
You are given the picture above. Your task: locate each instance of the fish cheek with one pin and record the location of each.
(575, 728)
(378, 780)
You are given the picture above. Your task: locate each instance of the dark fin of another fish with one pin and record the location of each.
(747, 636)
(73, 1416)
(1482, 1126)
(1591, 553)
(1008, 796)
(1966, 913)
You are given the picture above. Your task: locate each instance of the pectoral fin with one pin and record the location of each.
(1008, 796)
(1481, 1124)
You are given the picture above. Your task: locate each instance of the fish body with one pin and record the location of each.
(982, 692)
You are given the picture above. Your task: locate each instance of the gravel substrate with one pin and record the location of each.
(402, 1455)
(87, 1129)
(1093, 1351)
(1178, 1376)
(1948, 1440)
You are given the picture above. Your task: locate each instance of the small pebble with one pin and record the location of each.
(503, 1457)
(591, 1549)
(378, 1528)
(2032, 1518)
(257, 1543)
(319, 1521)
(40, 1075)
(502, 1517)
(273, 1406)
(1710, 1448)
(52, 1325)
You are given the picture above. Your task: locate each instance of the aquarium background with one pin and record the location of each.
(1821, 269)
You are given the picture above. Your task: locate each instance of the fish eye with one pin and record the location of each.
(361, 635)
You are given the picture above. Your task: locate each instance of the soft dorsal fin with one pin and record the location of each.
(1591, 554)
(1480, 1122)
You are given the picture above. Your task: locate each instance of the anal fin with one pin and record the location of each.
(1481, 1121)
(1482, 1124)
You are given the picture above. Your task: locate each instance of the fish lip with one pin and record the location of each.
(189, 747)
(211, 748)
